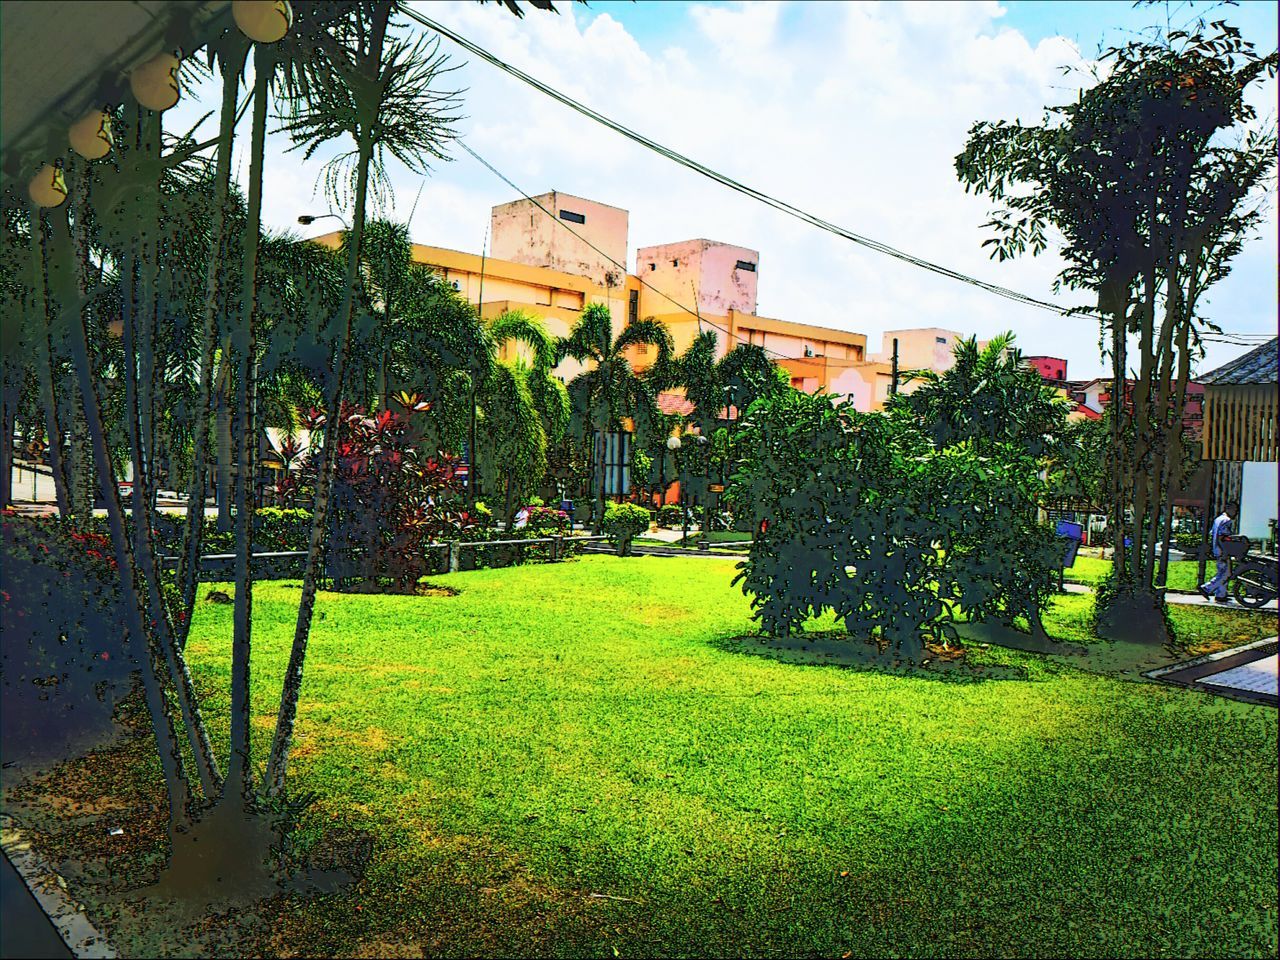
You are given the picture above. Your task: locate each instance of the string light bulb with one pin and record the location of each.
(155, 83)
(48, 188)
(91, 135)
(263, 21)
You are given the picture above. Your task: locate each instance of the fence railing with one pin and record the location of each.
(450, 551)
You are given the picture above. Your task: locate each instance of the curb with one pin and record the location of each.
(82, 938)
(1209, 658)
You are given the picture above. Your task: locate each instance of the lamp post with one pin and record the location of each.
(307, 219)
(730, 392)
(674, 444)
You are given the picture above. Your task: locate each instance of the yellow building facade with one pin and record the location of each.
(554, 266)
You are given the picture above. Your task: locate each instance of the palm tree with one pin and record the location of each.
(525, 408)
(610, 390)
(365, 82)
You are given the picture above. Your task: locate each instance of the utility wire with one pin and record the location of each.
(727, 181)
(696, 314)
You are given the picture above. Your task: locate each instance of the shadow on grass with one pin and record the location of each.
(838, 649)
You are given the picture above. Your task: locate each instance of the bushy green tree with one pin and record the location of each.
(1150, 179)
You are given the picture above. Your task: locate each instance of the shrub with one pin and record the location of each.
(66, 662)
(1187, 542)
(545, 521)
(281, 529)
(482, 516)
(623, 522)
(391, 496)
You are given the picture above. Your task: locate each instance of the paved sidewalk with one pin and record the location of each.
(25, 930)
(1247, 672)
(1185, 599)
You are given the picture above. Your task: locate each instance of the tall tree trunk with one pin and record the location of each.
(81, 455)
(41, 308)
(277, 765)
(8, 418)
(472, 459)
(150, 658)
(603, 444)
(232, 65)
(222, 426)
(238, 768)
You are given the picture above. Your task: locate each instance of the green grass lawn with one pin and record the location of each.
(1182, 573)
(570, 760)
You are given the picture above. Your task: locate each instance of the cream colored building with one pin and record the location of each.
(537, 264)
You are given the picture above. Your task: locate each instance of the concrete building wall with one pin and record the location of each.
(522, 233)
(924, 348)
(702, 275)
(1258, 496)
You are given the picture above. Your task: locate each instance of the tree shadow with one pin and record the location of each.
(839, 650)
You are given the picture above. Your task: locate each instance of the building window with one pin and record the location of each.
(653, 266)
(617, 463)
(633, 306)
(573, 217)
(675, 263)
(745, 265)
(940, 339)
(642, 349)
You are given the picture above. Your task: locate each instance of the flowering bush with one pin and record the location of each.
(391, 496)
(65, 660)
(545, 521)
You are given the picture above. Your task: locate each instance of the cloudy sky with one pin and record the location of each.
(852, 111)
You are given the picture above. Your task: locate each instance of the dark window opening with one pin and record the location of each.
(633, 306)
(745, 265)
(941, 339)
(617, 463)
(653, 266)
(573, 217)
(675, 263)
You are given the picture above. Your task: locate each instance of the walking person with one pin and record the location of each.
(1224, 526)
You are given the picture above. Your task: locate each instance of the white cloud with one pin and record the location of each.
(852, 111)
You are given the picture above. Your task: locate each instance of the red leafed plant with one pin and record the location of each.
(392, 496)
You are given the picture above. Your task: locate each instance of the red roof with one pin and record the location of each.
(670, 402)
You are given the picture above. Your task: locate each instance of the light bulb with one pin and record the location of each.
(263, 21)
(155, 83)
(48, 188)
(91, 135)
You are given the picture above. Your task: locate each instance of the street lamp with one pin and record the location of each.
(307, 219)
(674, 444)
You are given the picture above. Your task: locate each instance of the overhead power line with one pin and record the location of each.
(830, 361)
(727, 181)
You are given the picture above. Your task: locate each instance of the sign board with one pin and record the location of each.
(1071, 533)
(716, 487)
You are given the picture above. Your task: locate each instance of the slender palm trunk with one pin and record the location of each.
(189, 562)
(8, 418)
(151, 658)
(278, 763)
(473, 466)
(600, 486)
(238, 768)
(143, 559)
(81, 455)
(44, 365)
(222, 428)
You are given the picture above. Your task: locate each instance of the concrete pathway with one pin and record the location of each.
(25, 930)
(1184, 599)
(1247, 672)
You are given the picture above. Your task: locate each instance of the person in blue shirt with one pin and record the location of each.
(1224, 526)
